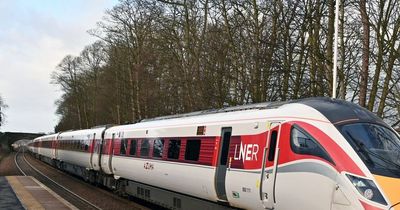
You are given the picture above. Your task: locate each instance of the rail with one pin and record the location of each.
(54, 183)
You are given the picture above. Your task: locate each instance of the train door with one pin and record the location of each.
(270, 166)
(93, 147)
(107, 148)
(54, 148)
(111, 153)
(220, 173)
(100, 150)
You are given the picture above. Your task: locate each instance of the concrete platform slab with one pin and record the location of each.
(25, 192)
(8, 199)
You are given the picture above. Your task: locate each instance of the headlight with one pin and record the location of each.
(367, 188)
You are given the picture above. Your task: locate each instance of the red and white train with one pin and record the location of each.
(315, 153)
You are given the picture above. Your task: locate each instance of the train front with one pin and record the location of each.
(375, 143)
(379, 148)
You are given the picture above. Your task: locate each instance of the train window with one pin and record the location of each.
(302, 143)
(174, 147)
(225, 146)
(192, 150)
(124, 146)
(272, 145)
(158, 148)
(144, 148)
(132, 150)
(104, 149)
(96, 147)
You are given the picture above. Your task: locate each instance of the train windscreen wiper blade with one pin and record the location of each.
(367, 154)
(360, 148)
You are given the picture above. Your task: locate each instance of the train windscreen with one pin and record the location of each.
(377, 146)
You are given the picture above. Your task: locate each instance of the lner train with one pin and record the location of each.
(315, 153)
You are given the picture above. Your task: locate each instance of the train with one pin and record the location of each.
(314, 153)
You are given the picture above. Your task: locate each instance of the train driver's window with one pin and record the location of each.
(303, 143)
(173, 149)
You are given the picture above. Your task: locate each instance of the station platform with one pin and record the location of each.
(25, 192)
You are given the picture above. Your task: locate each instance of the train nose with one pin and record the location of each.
(391, 188)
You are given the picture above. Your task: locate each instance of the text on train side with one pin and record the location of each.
(246, 152)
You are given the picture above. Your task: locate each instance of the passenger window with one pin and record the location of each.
(192, 150)
(302, 143)
(124, 146)
(144, 148)
(158, 148)
(173, 149)
(132, 150)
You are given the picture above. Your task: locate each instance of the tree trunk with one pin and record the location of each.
(365, 54)
(329, 44)
(342, 77)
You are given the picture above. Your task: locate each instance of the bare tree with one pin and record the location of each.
(2, 107)
(160, 57)
(365, 54)
(68, 77)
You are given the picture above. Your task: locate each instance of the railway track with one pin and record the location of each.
(27, 169)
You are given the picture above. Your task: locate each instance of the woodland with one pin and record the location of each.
(163, 57)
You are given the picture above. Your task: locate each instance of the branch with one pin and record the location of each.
(172, 3)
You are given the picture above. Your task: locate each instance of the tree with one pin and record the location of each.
(365, 53)
(2, 107)
(68, 76)
(160, 57)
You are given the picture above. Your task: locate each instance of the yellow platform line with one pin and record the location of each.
(26, 198)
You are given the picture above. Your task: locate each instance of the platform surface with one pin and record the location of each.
(25, 192)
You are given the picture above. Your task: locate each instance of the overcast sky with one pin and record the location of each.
(34, 37)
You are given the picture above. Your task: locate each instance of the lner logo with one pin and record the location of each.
(247, 152)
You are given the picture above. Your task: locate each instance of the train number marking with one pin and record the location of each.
(148, 166)
(247, 152)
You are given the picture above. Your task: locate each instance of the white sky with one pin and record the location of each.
(35, 36)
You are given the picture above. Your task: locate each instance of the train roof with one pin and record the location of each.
(339, 111)
(335, 110)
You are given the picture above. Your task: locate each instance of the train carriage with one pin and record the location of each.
(45, 147)
(316, 153)
(78, 151)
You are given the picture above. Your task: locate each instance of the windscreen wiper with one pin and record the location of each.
(360, 148)
(366, 153)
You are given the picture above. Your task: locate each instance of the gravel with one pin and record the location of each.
(7, 165)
